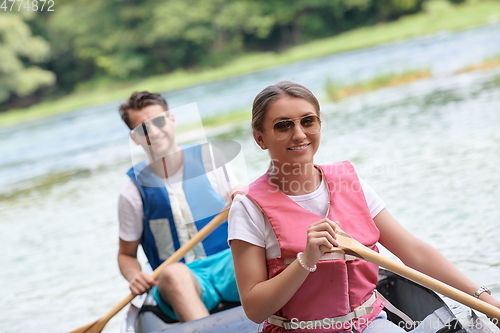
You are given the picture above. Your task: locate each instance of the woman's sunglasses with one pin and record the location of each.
(142, 129)
(311, 124)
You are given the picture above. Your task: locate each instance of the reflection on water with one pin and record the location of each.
(430, 149)
(41, 185)
(491, 83)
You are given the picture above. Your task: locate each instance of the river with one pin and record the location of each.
(431, 149)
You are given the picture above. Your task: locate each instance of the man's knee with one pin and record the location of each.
(175, 277)
(173, 273)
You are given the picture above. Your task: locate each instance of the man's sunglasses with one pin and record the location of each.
(142, 129)
(311, 124)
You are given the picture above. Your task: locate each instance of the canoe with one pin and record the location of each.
(443, 314)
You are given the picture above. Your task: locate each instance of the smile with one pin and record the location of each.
(299, 147)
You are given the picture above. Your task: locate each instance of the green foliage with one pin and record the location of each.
(124, 39)
(104, 89)
(19, 52)
(93, 42)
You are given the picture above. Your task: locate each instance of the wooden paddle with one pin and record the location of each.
(351, 246)
(97, 326)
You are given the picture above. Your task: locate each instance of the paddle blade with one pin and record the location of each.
(95, 327)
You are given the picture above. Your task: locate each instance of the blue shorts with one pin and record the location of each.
(215, 275)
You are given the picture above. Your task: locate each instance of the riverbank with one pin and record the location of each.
(486, 64)
(336, 91)
(438, 16)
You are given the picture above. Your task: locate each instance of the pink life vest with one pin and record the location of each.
(338, 286)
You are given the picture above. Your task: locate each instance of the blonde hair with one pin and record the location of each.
(272, 93)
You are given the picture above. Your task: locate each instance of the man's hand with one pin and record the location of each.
(141, 283)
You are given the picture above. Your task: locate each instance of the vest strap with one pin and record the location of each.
(327, 256)
(362, 310)
(390, 307)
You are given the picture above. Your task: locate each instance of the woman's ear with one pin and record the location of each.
(257, 136)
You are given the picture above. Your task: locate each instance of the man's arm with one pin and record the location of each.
(130, 268)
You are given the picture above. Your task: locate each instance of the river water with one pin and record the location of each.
(431, 149)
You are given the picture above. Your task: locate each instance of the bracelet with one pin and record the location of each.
(481, 290)
(299, 259)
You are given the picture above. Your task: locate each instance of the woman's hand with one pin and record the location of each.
(319, 233)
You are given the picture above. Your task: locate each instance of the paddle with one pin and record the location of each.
(351, 246)
(97, 326)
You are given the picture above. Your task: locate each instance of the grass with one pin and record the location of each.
(486, 64)
(43, 183)
(437, 18)
(336, 91)
(226, 118)
(210, 122)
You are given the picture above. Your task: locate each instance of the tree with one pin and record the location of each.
(20, 51)
(123, 39)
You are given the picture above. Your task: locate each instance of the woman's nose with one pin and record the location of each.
(298, 131)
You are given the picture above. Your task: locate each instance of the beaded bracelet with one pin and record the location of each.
(299, 259)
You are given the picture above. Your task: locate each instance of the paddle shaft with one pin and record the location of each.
(431, 283)
(176, 256)
(367, 254)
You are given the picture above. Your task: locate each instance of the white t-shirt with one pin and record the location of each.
(130, 208)
(248, 223)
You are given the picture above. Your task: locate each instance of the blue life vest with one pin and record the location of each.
(202, 200)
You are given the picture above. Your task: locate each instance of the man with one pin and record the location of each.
(167, 199)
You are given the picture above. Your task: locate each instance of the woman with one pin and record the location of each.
(294, 209)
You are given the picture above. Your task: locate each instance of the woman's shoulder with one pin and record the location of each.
(242, 201)
(243, 205)
(246, 221)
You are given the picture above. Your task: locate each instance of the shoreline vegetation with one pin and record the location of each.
(486, 64)
(336, 91)
(436, 18)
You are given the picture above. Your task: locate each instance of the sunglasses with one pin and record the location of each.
(142, 129)
(311, 124)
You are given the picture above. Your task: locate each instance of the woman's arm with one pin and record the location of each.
(261, 297)
(423, 257)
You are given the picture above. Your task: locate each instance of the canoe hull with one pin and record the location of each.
(419, 303)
